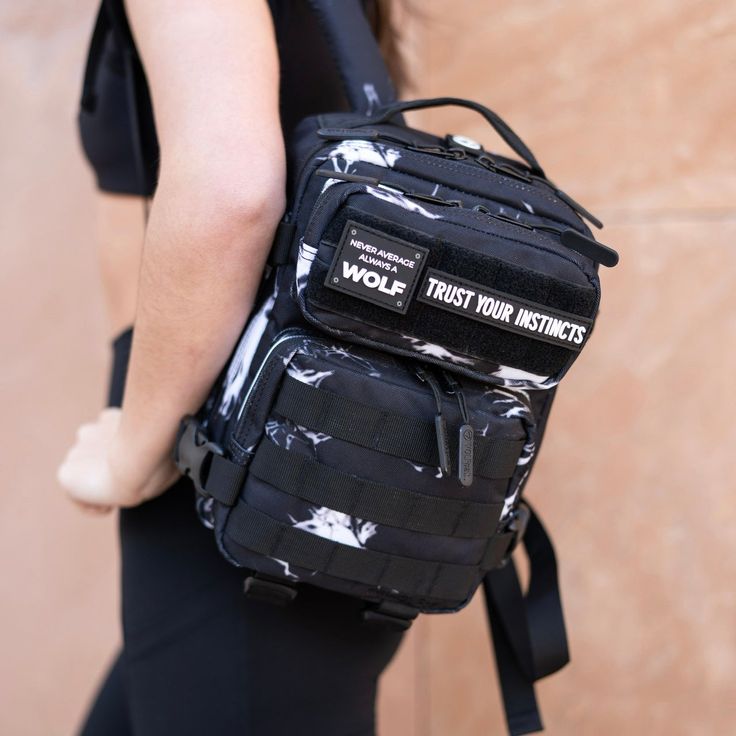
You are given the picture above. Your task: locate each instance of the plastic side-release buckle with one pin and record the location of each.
(261, 588)
(390, 614)
(193, 452)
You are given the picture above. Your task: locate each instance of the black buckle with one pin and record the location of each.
(517, 525)
(194, 452)
(269, 590)
(391, 615)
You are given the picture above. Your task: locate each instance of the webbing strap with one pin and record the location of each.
(354, 49)
(528, 630)
(224, 480)
(301, 476)
(281, 246)
(383, 431)
(264, 535)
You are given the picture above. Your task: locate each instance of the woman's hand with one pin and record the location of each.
(102, 471)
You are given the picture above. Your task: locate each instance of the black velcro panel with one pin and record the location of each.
(454, 332)
(262, 534)
(300, 476)
(392, 434)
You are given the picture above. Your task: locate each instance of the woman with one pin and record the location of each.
(224, 78)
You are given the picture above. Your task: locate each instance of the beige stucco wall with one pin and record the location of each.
(631, 106)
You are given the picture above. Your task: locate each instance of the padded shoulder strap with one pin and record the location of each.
(355, 51)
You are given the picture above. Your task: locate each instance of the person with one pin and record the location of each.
(189, 102)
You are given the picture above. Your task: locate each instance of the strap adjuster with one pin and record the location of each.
(390, 615)
(194, 452)
(270, 590)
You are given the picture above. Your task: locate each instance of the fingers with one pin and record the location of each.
(90, 508)
(66, 476)
(86, 431)
(84, 472)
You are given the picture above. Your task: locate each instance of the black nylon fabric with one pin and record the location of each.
(386, 432)
(319, 501)
(432, 517)
(319, 484)
(546, 275)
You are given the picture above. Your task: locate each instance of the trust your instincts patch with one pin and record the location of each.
(376, 267)
(507, 312)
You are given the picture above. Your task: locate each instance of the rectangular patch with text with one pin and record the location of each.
(445, 291)
(376, 267)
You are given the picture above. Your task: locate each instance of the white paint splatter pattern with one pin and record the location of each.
(348, 153)
(205, 511)
(394, 196)
(342, 353)
(433, 350)
(336, 526)
(510, 500)
(287, 572)
(284, 434)
(371, 96)
(425, 468)
(517, 378)
(243, 356)
(305, 259)
(310, 376)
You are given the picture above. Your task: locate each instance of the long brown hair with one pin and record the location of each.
(381, 14)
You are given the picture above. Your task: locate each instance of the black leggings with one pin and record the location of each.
(200, 658)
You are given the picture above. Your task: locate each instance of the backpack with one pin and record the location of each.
(377, 421)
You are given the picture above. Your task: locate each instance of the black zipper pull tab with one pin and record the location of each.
(589, 248)
(466, 438)
(440, 425)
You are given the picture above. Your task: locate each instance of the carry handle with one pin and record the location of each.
(498, 124)
(354, 49)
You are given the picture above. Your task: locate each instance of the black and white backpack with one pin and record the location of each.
(375, 427)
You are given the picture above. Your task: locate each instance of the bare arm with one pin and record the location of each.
(212, 68)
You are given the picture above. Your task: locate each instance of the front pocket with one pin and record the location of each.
(344, 485)
(480, 296)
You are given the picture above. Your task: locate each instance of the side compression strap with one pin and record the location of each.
(528, 630)
(355, 51)
(300, 476)
(383, 431)
(262, 534)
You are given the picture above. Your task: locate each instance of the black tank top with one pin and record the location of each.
(116, 119)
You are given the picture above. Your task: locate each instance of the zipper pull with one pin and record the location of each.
(466, 438)
(440, 426)
(589, 248)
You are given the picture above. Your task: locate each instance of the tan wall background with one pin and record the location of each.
(631, 106)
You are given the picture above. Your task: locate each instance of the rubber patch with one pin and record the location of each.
(376, 267)
(475, 301)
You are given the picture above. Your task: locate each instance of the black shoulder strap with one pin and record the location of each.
(528, 629)
(355, 51)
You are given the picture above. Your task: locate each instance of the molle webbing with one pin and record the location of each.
(383, 431)
(258, 532)
(300, 476)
